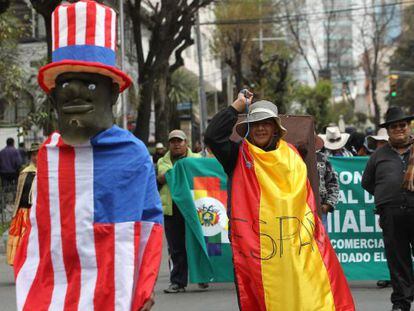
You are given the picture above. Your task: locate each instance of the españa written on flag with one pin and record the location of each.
(198, 187)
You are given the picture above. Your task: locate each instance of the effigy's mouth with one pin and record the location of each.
(75, 109)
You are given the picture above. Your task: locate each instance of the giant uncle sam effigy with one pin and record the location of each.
(95, 235)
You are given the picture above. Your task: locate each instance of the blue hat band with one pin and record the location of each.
(86, 53)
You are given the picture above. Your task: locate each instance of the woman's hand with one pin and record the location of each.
(240, 103)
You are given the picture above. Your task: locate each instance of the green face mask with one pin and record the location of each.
(83, 102)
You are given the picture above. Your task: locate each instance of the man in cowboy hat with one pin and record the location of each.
(335, 142)
(389, 176)
(269, 196)
(97, 208)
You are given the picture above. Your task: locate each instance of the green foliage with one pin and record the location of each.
(315, 101)
(10, 71)
(402, 60)
(229, 37)
(184, 86)
(272, 78)
(264, 68)
(3, 227)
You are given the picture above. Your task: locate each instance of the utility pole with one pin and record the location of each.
(122, 48)
(202, 92)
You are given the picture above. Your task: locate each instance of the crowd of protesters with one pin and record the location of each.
(391, 164)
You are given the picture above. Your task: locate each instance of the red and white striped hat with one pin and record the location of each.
(83, 40)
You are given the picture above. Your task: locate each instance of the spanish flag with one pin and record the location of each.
(282, 255)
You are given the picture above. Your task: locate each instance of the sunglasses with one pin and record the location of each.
(401, 125)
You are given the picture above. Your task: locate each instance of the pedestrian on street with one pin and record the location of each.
(335, 142)
(174, 223)
(270, 201)
(389, 176)
(23, 154)
(372, 143)
(159, 152)
(10, 162)
(328, 182)
(24, 194)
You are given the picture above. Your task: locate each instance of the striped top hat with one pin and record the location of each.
(83, 40)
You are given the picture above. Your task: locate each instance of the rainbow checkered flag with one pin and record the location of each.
(198, 187)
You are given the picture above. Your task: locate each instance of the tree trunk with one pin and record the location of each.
(238, 70)
(174, 117)
(144, 111)
(377, 113)
(48, 26)
(162, 105)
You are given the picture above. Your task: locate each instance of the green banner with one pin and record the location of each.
(353, 227)
(199, 188)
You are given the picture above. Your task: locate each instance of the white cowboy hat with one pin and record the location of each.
(381, 135)
(260, 110)
(334, 139)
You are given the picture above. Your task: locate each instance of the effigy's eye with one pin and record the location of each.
(65, 84)
(91, 87)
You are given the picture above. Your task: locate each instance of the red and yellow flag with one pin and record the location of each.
(282, 255)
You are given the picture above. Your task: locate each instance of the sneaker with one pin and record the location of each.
(383, 283)
(203, 285)
(174, 288)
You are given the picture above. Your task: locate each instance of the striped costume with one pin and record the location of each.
(95, 234)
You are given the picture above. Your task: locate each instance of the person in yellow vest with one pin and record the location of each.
(22, 205)
(173, 220)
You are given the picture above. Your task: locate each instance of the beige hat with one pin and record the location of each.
(177, 134)
(381, 135)
(159, 146)
(334, 139)
(34, 147)
(260, 110)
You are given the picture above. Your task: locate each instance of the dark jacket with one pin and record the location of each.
(383, 177)
(217, 138)
(10, 160)
(328, 181)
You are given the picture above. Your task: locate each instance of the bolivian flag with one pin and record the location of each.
(282, 255)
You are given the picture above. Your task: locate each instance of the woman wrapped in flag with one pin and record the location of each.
(282, 255)
(95, 227)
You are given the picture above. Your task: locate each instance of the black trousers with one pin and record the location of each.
(398, 232)
(175, 232)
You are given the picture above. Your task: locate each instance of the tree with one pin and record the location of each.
(183, 88)
(374, 29)
(11, 73)
(45, 8)
(264, 67)
(270, 75)
(315, 101)
(4, 5)
(234, 42)
(402, 61)
(306, 25)
(170, 24)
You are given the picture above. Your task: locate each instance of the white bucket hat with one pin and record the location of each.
(260, 110)
(334, 139)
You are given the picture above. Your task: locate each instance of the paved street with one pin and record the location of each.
(219, 297)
